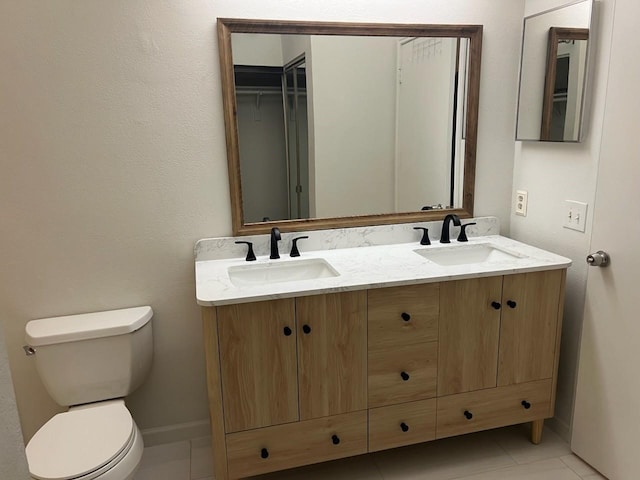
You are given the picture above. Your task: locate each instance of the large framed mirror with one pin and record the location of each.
(333, 125)
(553, 74)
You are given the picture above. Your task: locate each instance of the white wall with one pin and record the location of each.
(113, 163)
(13, 463)
(553, 173)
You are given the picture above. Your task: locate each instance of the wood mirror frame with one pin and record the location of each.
(227, 26)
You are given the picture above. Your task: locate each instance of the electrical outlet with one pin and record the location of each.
(575, 215)
(521, 202)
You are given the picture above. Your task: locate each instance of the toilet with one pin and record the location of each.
(89, 363)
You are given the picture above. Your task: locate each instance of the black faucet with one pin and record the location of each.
(275, 236)
(444, 238)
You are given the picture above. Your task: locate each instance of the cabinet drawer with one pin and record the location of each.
(494, 407)
(402, 374)
(295, 444)
(403, 315)
(403, 424)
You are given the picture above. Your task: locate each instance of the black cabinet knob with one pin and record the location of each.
(404, 427)
(468, 415)
(335, 439)
(287, 331)
(526, 404)
(511, 304)
(306, 329)
(496, 305)
(404, 375)
(405, 316)
(264, 453)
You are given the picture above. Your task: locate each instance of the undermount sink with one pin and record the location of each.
(467, 255)
(280, 271)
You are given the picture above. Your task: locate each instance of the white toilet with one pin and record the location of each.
(90, 363)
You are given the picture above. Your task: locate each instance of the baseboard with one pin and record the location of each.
(176, 433)
(561, 428)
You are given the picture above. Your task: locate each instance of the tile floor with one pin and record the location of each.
(501, 454)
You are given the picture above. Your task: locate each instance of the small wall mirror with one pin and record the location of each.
(553, 74)
(336, 124)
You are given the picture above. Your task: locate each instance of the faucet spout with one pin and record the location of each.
(444, 238)
(275, 237)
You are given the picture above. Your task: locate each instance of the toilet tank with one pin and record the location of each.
(92, 357)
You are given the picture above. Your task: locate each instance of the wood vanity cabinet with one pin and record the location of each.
(499, 346)
(304, 380)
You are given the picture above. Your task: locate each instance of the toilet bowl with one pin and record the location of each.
(90, 362)
(98, 441)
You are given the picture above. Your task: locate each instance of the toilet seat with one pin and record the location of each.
(82, 443)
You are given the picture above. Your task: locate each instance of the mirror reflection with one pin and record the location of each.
(553, 74)
(335, 126)
(566, 63)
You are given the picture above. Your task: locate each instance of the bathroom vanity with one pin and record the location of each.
(392, 345)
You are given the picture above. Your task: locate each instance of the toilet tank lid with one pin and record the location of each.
(71, 328)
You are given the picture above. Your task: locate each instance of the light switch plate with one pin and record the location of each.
(521, 202)
(575, 215)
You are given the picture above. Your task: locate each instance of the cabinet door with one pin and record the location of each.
(258, 364)
(468, 334)
(529, 326)
(332, 354)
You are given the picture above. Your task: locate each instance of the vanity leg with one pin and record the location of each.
(536, 431)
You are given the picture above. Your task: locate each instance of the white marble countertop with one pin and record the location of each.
(369, 267)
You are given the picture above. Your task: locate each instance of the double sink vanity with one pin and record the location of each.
(352, 349)
(372, 338)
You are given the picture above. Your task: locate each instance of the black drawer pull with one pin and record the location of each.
(405, 316)
(306, 329)
(264, 453)
(468, 415)
(511, 304)
(287, 331)
(404, 375)
(335, 439)
(404, 427)
(496, 305)
(526, 404)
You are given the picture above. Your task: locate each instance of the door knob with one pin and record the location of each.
(598, 259)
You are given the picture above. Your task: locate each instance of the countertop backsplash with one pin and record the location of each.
(225, 247)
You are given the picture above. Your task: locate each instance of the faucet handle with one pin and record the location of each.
(250, 255)
(294, 247)
(425, 235)
(463, 232)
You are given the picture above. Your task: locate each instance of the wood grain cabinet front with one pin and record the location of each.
(403, 424)
(332, 353)
(286, 446)
(258, 364)
(303, 380)
(292, 359)
(402, 343)
(498, 331)
(493, 407)
(530, 326)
